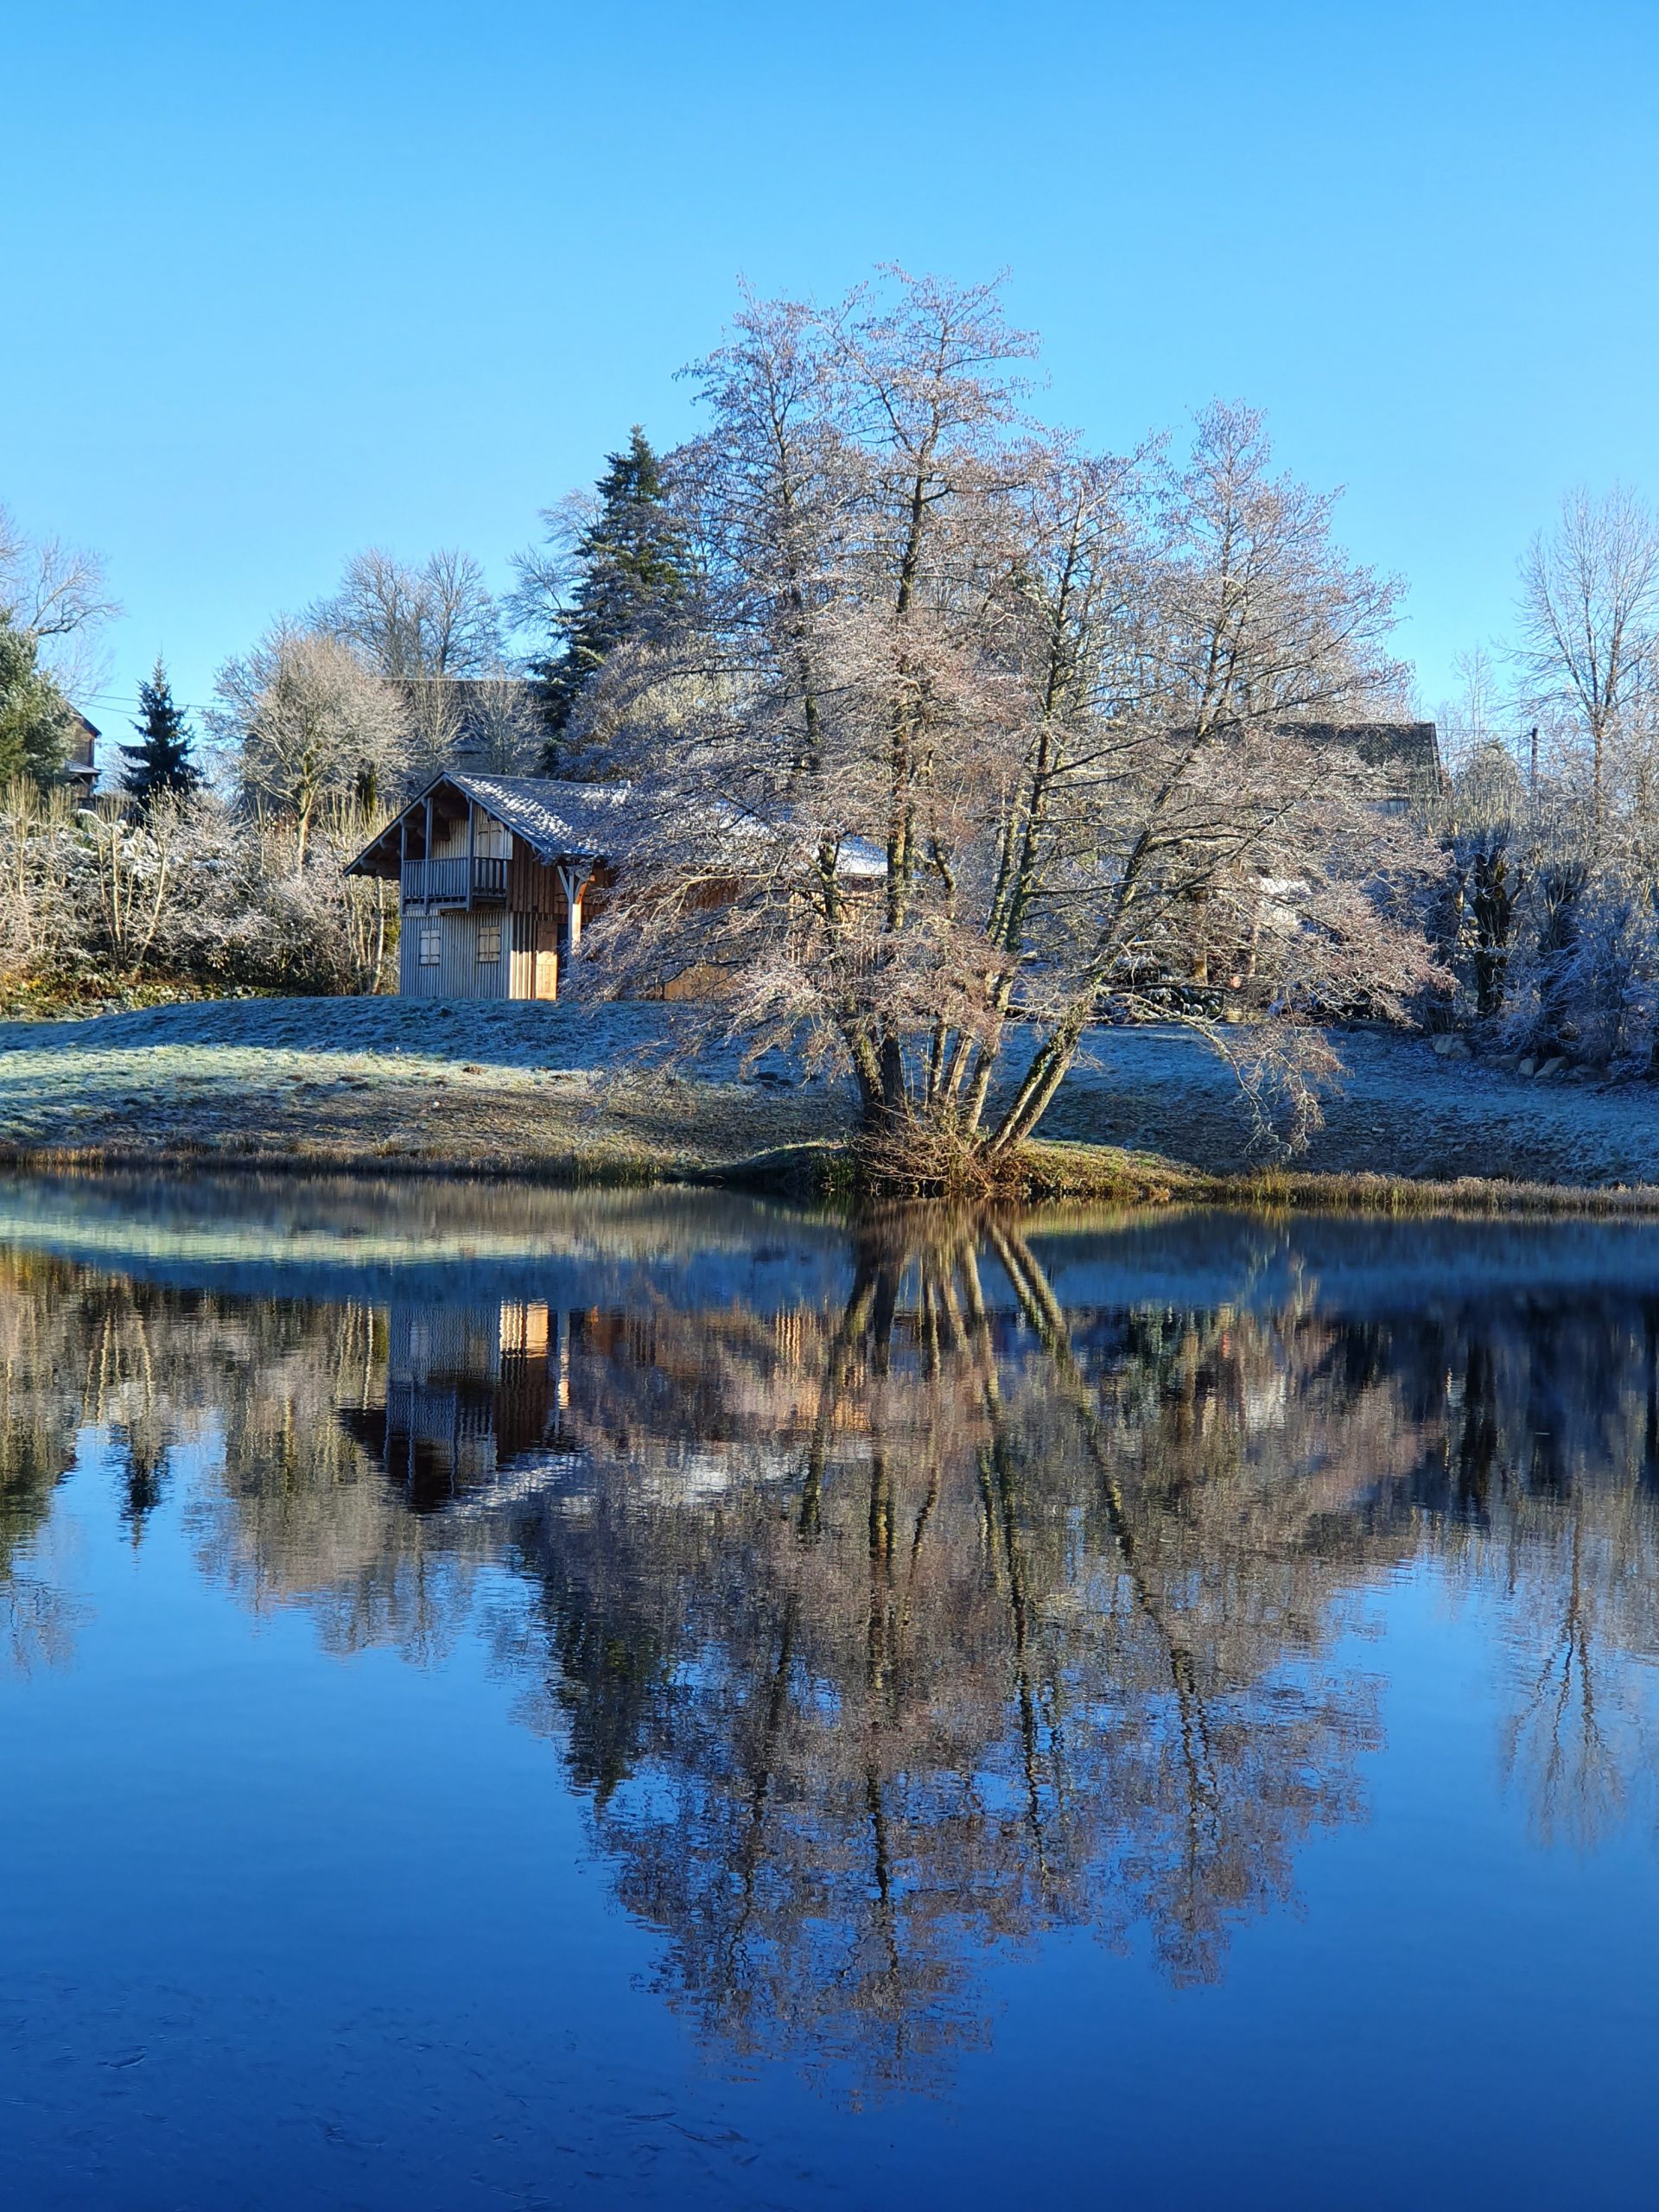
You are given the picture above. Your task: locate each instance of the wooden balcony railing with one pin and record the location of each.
(445, 883)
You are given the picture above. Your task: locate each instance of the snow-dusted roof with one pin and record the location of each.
(862, 858)
(590, 822)
(556, 820)
(586, 821)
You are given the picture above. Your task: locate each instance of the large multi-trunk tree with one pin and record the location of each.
(960, 730)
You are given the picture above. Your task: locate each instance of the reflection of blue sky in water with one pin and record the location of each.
(1178, 1693)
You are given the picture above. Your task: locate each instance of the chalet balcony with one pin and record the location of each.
(454, 883)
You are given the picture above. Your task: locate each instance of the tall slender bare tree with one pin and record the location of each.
(1589, 621)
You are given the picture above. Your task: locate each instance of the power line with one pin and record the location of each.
(212, 706)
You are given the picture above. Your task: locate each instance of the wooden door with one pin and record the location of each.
(535, 958)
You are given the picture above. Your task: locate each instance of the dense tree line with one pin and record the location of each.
(1551, 820)
(212, 857)
(997, 733)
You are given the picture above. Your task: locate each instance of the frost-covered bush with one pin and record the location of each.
(1584, 984)
(255, 910)
(39, 850)
(1610, 986)
(1583, 980)
(1552, 926)
(189, 892)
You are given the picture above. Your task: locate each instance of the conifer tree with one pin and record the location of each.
(36, 721)
(165, 759)
(628, 563)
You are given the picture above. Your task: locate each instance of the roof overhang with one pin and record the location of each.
(383, 855)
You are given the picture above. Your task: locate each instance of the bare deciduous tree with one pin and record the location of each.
(47, 585)
(1590, 620)
(1474, 718)
(433, 631)
(58, 591)
(437, 619)
(309, 720)
(979, 729)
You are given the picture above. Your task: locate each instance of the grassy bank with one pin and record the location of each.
(1069, 1175)
(581, 1095)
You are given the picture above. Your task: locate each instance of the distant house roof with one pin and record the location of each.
(1406, 755)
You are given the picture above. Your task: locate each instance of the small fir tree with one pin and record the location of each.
(164, 758)
(630, 563)
(36, 721)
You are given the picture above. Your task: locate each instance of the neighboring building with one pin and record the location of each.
(81, 766)
(1405, 756)
(495, 874)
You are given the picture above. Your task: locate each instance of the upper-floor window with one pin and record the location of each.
(494, 839)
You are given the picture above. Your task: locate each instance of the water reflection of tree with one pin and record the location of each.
(37, 1445)
(75, 1356)
(1545, 1486)
(251, 1389)
(881, 1633)
(971, 1641)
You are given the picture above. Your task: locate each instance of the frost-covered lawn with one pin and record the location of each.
(504, 1086)
(1399, 1109)
(384, 1080)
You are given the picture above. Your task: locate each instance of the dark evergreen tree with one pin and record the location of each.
(36, 722)
(628, 563)
(164, 758)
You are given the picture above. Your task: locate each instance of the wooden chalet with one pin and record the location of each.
(495, 872)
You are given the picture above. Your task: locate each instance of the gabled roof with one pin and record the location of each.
(586, 822)
(862, 860)
(582, 821)
(1406, 755)
(82, 763)
(556, 820)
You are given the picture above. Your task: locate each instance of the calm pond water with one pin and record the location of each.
(527, 1699)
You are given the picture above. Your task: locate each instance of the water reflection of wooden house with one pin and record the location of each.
(489, 1404)
(472, 1393)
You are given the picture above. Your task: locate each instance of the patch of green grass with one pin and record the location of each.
(1404, 1195)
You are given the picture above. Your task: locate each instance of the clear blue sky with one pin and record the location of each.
(282, 281)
